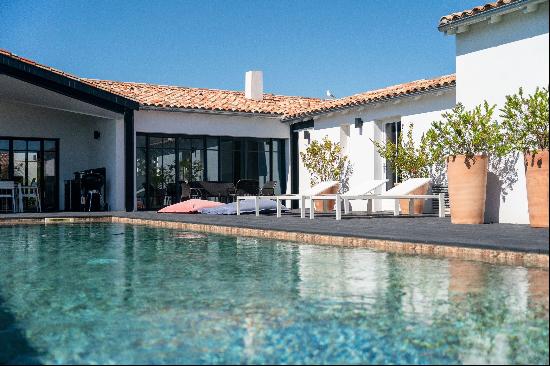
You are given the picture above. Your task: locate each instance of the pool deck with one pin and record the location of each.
(417, 229)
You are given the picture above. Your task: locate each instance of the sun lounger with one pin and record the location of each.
(315, 190)
(400, 191)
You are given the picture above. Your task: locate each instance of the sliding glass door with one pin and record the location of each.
(32, 162)
(160, 158)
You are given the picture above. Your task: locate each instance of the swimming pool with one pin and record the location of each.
(114, 293)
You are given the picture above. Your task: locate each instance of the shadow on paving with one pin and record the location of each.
(14, 347)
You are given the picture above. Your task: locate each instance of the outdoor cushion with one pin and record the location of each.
(247, 206)
(190, 206)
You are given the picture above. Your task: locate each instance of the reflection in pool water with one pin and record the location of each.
(84, 294)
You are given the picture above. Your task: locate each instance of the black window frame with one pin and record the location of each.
(11, 166)
(242, 152)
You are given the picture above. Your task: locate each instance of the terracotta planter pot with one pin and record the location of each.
(536, 174)
(326, 205)
(418, 207)
(467, 188)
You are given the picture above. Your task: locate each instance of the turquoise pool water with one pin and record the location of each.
(110, 293)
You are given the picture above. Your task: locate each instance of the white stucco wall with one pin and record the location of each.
(189, 123)
(209, 124)
(492, 61)
(367, 163)
(78, 150)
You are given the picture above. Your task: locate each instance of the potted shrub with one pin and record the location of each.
(466, 139)
(525, 120)
(408, 161)
(325, 162)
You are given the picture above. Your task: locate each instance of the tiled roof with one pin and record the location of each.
(400, 90)
(286, 107)
(474, 11)
(49, 69)
(179, 97)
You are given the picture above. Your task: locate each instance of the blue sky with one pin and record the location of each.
(303, 47)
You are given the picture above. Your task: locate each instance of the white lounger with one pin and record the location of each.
(315, 190)
(401, 191)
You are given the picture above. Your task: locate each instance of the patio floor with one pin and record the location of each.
(419, 229)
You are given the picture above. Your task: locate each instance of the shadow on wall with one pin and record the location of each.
(14, 347)
(501, 178)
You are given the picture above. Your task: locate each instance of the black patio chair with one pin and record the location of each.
(247, 187)
(219, 190)
(269, 188)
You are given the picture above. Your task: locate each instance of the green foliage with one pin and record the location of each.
(525, 120)
(324, 161)
(466, 132)
(191, 170)
(407, 160)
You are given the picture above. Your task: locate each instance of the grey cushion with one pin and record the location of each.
(247, 206)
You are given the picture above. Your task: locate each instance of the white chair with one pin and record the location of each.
(401, 191)
(366, 187)
(8, 191)
(302, 197)
(32, 192)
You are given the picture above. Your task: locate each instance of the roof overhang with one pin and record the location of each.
(210, 111)
(438, 91)
(68, 86)
(493, 16)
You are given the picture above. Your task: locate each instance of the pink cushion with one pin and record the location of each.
(190, 206)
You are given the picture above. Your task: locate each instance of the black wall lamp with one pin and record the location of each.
(307, 136)
(97, 135)
(358, 123)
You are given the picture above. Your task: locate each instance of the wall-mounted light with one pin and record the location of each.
(97, 135)
(359, 125)
(307, 136)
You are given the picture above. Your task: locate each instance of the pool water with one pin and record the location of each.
(113, 293)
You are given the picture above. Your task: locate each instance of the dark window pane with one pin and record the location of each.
(226, 161)
(4, 145)
(169, 143)
(212, 143)
(49, 200)
(34, 145)
(49, 145)
(251, 165)
(20, 145)
(155, 142)
(140, 178)
(184, 143)
(141, 141)
(252, 145)
(197, 144)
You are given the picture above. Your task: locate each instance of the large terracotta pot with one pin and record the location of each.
(467, 188)
(536, 174)
(326, 205)
(418, 207)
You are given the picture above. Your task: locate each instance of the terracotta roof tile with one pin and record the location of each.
(400, 90)
(166, 96)
(286, 107)
(474, 11)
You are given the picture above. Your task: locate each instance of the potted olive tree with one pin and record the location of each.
(325, 162)
(525, 120)
(408, 161)
(466, 139)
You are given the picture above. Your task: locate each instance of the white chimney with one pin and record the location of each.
(254, 85)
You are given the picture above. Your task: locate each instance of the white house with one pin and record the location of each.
(150, 137)
(500, 47)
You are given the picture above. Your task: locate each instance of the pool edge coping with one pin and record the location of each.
(493, 256)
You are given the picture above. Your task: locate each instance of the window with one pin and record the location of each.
(163, 161)
(32, 162)
(392, 132)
